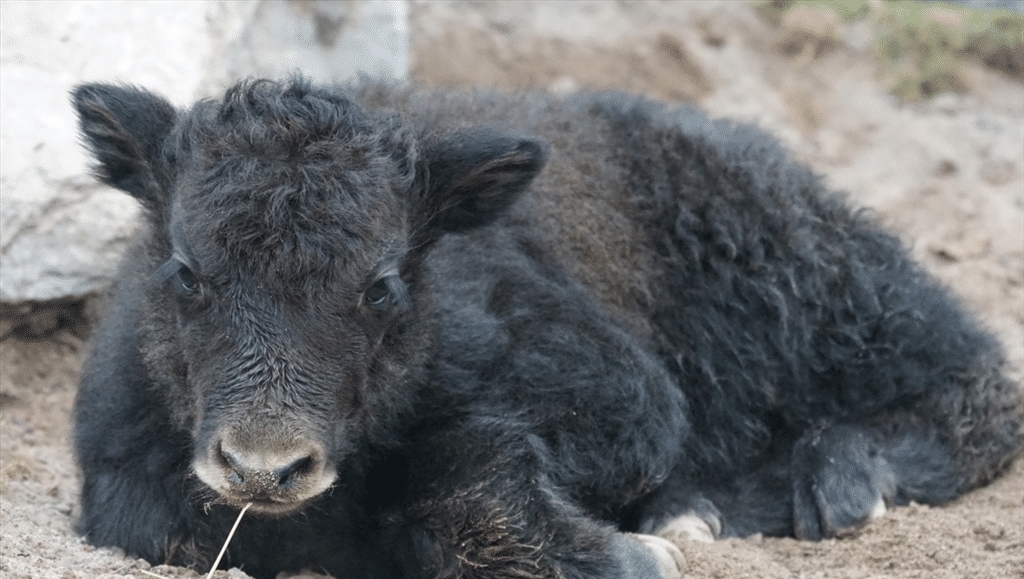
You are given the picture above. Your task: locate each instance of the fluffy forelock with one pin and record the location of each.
(297, 182)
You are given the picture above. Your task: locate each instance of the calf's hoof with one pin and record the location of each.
(703, 527)
(649, 557)
(840, 481)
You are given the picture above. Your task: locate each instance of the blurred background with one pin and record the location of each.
(915, 108)
(850, 85)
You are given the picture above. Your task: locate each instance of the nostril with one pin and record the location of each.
(235, 478)
(290, 473)
(232, 464)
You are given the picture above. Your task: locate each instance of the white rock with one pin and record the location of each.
(329, 41)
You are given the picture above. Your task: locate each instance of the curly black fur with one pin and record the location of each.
(478, 335)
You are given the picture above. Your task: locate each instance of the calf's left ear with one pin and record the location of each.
(471, 177)
(125, 128)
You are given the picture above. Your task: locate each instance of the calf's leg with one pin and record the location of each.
(484, 507)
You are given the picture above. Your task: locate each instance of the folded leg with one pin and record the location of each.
(484, 506)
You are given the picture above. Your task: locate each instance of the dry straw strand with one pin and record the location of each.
(231, 533)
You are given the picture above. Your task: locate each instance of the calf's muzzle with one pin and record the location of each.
(266, 474)
(276, 473)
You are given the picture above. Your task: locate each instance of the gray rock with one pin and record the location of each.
(328, 41)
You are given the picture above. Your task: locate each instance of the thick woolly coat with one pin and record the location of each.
(602, 313)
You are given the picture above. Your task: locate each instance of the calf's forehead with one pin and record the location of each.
(322, 205)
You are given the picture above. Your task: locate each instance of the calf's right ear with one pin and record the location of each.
(125, 128)
(474, 175)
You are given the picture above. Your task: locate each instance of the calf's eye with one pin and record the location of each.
(376, 297)
(182, 280)
(187, 283)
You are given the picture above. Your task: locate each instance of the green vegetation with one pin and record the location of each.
(996, 37)
(846, 10)
(921, 46)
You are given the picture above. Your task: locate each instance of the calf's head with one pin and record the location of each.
(284, 230)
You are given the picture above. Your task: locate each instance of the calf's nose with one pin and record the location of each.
(260, 473)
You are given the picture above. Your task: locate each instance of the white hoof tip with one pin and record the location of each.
(688, 527)
(670, 559)
(878, 510)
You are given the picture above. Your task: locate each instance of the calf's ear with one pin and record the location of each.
(125, 128)
(473, 176)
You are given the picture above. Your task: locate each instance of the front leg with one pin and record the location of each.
(135, 463)
(484, 507)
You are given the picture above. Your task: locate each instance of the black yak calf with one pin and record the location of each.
(481, 336)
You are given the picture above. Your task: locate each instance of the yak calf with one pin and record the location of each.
(435, 334)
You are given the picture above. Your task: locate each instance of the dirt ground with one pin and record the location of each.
(946, 173)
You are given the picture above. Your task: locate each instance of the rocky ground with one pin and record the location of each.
(946, 172)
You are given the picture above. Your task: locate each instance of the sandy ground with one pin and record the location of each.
(947, 174)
